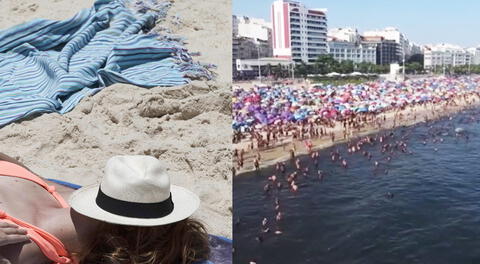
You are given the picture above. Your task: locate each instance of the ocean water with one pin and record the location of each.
(421, 206)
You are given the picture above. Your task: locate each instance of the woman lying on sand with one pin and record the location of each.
(133, 216)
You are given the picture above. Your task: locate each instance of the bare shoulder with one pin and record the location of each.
(64, 191)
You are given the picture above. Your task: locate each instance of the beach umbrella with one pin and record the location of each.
(361, 110)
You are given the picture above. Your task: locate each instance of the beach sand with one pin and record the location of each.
(280, 152)
(188, 127)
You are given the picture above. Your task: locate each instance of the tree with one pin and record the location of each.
(302, 69)
(325, 64)
(414, 67)
(416, 58)
(277, 71)
(365, 67)
(345, 66)
(381, 68)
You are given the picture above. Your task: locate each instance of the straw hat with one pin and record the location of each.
(135, 191)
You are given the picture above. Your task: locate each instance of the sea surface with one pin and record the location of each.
(421, 206)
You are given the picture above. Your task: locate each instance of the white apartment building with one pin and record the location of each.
(343, 50)
(475, 53)
(391, 33)
(254, 28)
(415, 49)
(445, 54)
(299, 33)
(344, 34)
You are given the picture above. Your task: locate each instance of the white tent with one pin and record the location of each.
(332, 74)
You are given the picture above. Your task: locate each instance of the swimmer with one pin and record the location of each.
(294, 186)
(389, 195)
(266, 188)
(278, 217)
(272, 178)
(292, 153)
(320, 175)
(297, 164)
(279, 185)
(264, 222)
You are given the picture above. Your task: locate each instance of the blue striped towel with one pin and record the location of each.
(49, 66)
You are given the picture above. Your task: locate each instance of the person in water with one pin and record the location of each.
(134, 216)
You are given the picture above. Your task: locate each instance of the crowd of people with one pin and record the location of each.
(265, 116)
(265, 105)
(378, 151)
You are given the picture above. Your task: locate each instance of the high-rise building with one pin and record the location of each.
(345, 44)
(475, 54)
(445, 55)
(252, 39)
(344, 34)
(386, 50)
(356, 52)
(299, 33)
(254, 28)
(415, 49)
(391, 33)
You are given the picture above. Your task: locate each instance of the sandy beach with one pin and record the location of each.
(280, 151)
(188, 127)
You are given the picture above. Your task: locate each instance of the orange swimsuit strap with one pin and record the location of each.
(50, 246)
(14, 170)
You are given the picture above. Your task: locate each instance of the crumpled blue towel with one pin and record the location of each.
(49, 66)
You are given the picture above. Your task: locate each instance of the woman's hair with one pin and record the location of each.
(181, 242)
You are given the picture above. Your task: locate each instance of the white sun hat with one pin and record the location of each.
(135, 191)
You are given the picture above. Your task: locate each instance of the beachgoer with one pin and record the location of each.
(105, 223)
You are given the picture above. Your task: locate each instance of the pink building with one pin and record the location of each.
(299, 33)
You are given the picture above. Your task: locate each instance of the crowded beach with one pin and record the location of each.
(272, 123)
(276, 124)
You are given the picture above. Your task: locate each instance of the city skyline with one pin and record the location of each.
(443, 23)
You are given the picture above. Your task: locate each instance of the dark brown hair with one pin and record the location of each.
(181, 242)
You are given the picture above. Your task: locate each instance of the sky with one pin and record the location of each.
(422, 21)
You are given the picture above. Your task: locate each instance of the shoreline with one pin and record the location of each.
(279, 153)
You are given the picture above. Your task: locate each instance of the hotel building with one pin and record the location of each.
(445, 55)
(299, 33)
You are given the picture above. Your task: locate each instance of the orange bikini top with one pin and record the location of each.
(50, 246)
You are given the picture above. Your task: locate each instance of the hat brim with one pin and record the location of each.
(185, 204)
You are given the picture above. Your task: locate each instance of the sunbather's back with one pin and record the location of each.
(31, 203)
